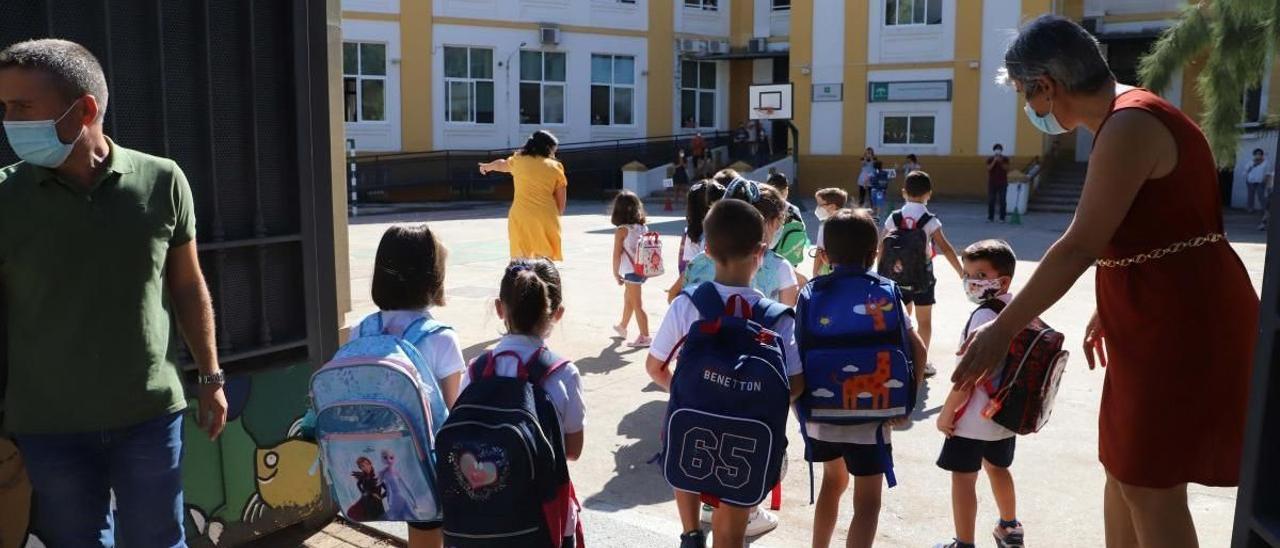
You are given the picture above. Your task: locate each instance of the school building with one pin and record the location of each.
(900, 76)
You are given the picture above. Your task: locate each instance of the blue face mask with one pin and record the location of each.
(1047, 123)
(37, 142)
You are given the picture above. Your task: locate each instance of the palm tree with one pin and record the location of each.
(1235, 37)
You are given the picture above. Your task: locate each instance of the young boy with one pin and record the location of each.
(850, 238)
(830, 200)
(917, 190)
(973, 441)
(734, 237)
(779, 180)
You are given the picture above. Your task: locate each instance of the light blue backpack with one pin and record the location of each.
(378, 408)
(767, 280)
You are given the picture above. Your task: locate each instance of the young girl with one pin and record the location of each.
(529, 304)
(629, 217)
(408, 279)
(697, 203)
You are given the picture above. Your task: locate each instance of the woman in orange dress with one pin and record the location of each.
(1176, 309)
(533, 224)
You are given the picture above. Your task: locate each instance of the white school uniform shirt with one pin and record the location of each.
(630, 247)
(972, 424)
(1257, 173)
(911, 214)
(691, 249)
(441, 350)
(682, 313)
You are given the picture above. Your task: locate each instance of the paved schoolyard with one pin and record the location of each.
(1058, 477)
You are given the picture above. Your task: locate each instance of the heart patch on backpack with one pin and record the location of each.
(481, 469)
(478, 474)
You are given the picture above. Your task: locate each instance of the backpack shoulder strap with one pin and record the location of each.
(707, 300)
(476, 369)
(422, 328)
(924, 220)
(994, 305)
(767, 312)
(898, 219)
(543, 364)
(371, 325)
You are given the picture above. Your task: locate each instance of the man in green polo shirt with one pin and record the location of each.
(97, 246)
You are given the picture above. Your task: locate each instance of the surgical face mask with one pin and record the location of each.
(37, 142)
(1047, 123)
(822, 213)
(980, 290)
(777, 234)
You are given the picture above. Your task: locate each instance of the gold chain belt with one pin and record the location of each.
(1158, 253)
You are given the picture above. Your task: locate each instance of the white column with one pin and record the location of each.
(827, 121)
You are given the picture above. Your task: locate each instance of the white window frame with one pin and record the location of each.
(698, 91)
(471, 82)
(1262, 106)
(543, 84)
(909, 116)
(360, 78)
(613, 86)
(773, 5)
(704, 5)
(888, 10)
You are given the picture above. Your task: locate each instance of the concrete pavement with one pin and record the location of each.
(626, 499)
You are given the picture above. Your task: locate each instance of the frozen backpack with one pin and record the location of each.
(377, 409)
(858, 369)
(1022, 397)
(766, 280)
(647, 259)
(725, 430)
(504, 478)
(906, 258)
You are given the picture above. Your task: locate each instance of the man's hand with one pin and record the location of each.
(212, 415)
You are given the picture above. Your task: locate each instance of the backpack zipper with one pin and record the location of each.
(494, 535)
(408, 370)
(537, 425)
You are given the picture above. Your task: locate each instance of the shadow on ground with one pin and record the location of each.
(609, 359)
(637, 479)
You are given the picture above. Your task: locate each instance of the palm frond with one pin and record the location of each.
(1177, 47)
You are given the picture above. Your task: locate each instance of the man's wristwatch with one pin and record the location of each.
(217, 378)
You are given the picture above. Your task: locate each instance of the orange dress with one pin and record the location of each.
(1180, 330)
(533, 224)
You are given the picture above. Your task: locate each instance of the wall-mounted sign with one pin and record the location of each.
(828, 93)
(931, 90)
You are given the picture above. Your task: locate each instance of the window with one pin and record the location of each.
(708, 5)
(468, 85)
(698, 94)
(907, 130)
(364, 82)
(912, 12)
(541, 87)
(1253, 105)
(781, 5)
(613, 85)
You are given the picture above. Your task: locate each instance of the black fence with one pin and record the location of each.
(236, 93)
(593, 168)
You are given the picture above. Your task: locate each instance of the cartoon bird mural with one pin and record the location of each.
(288, 477)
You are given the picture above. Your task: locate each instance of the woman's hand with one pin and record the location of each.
(484, 168)
(981, 354)
(1094, 343)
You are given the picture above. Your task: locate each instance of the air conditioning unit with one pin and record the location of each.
(689, 45)
(718, 47)
(548, 35)
(758, 45)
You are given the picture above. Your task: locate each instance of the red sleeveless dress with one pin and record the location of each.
(1180, 329)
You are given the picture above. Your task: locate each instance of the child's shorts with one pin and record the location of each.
(859, 459)
(920, 298)
(633, 278)
(425, 525)
(965, 455)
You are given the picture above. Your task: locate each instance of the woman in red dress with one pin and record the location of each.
(1177, 315)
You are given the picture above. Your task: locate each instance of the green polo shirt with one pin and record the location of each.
(83, 275)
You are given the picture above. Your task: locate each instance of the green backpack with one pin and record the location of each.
(792, 241)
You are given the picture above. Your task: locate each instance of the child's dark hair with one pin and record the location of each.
(701, 196)
(627, 209)
(531, 292)
(912, 158)
(835, 196)
(996, 252)
(878, 165)
(850, 238)
(408, 271)
(1258, 151)
(726, 176)
(918, 184)
(764, 198)
(733, 229)
(541, 144)
(779, 181)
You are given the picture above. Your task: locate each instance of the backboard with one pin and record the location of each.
(770, 102)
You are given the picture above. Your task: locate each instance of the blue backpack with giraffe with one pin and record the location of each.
(852, 333)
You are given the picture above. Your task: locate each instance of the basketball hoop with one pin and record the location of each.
(767, 112)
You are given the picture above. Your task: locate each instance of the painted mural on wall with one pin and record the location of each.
(258, 477)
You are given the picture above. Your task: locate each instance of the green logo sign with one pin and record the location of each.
(879, 91)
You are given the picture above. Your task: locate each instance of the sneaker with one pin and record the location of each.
(641, 342)
(1008, 537)
(929, 370)
(693, 539)
(761, 522)
(621, 331)
(953, 544)
(705, 517)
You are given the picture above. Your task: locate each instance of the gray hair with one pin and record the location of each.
(1059, 49)
(75, 71)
